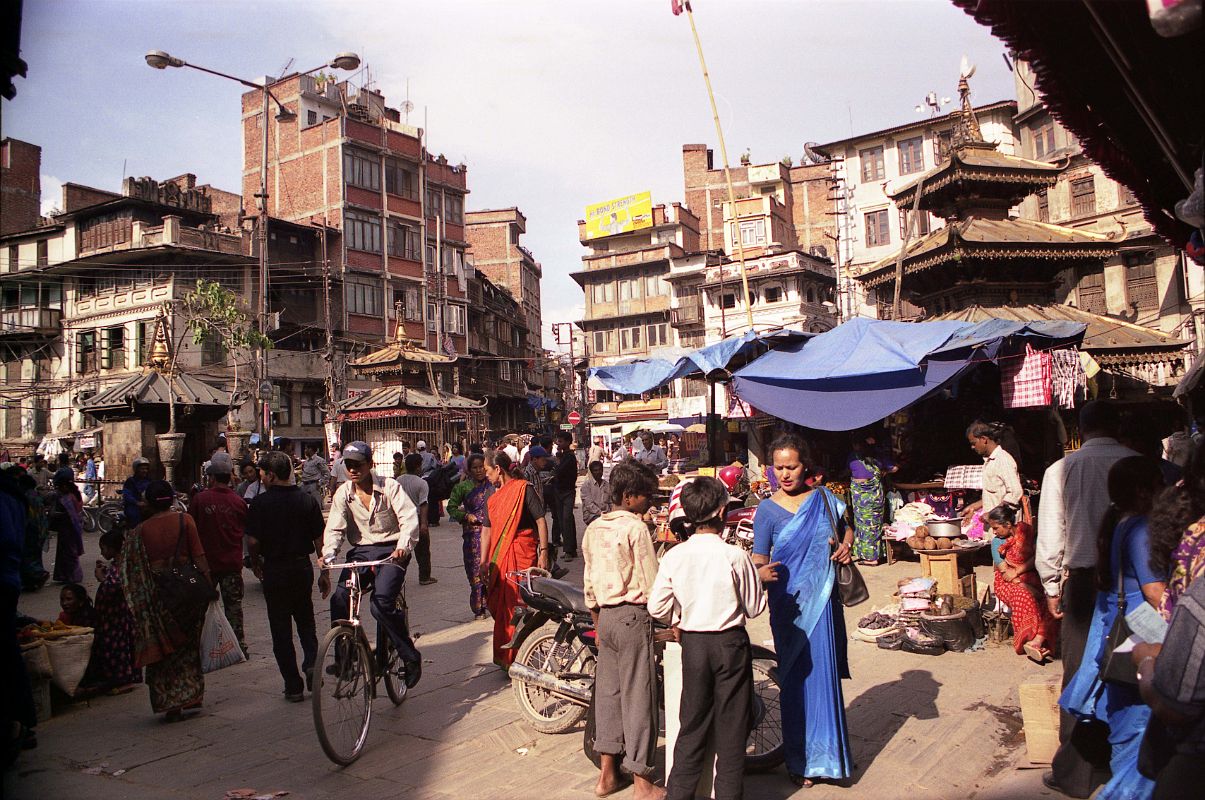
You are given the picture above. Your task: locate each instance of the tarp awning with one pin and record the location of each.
(644, 376)
(864, 370)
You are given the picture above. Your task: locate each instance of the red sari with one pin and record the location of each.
(1025, 598)
(511, 548)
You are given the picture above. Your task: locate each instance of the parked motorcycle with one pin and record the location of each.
(553, 672)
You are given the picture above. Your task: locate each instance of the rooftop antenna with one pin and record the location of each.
(284, 70)
(407, 106)
(933, 104)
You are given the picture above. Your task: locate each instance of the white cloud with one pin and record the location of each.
(52, 194)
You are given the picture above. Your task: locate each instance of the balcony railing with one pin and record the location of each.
(30, 320)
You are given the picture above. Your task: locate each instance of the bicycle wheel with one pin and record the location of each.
(88, 520)
(342, 696)
(392, 672)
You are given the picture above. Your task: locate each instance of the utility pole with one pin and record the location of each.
(265, 392)
(330, 338)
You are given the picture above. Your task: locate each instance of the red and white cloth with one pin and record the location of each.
(1026, 381)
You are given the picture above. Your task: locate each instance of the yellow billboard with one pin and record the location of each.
(622, 215)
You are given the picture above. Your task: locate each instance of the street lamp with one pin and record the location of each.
(158, 59)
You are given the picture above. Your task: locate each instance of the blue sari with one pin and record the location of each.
(1119, 705)
(809, 634)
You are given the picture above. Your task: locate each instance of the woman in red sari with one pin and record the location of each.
(515, 538)
(1035, 631)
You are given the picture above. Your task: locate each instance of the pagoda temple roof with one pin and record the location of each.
(150, 388)
(400, 398)
(975, 169)
(991, 239)
(395, 354)
(1111, 341)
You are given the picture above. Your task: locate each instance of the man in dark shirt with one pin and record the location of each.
(564, 485)
(220, 515)
(284, 528)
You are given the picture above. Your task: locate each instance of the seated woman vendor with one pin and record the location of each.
(1017, 583)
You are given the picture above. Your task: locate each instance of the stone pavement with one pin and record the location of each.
(921, 726)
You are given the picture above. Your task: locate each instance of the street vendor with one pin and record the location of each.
(1001, 478)
(867, 465)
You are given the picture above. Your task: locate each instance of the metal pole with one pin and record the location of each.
(266, 398)
(715, 115)
(330, 340)
(713, 433)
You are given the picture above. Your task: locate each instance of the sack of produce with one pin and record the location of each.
(69, 658)
(917, 641)
(954, 631)
(891, 641)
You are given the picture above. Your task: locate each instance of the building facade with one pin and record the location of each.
(493, 236)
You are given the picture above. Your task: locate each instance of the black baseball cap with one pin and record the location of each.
(357, 451)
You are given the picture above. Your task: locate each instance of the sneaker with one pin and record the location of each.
(559, 572)
(295, 697)
(427, 581)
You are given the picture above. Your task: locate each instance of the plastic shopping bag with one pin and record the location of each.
(219, 648)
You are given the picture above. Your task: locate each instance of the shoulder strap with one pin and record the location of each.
(180, 537)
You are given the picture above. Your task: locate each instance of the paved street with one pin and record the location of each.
(922, 727)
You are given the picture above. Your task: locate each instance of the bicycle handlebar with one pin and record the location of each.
(381, 562)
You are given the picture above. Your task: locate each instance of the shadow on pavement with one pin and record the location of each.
(876, 716)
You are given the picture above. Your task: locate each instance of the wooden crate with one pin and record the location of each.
(1040, 715)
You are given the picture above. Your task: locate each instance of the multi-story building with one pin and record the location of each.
(625, 280)
(867, 169)
(493, 236)
(1147, 281)
(496, 368)
(395, 212)
(81, 293)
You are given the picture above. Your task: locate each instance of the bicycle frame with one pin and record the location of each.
(355, 593)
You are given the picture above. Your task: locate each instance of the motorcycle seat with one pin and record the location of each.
(566, 594)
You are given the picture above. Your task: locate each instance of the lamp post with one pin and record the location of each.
(157, 59)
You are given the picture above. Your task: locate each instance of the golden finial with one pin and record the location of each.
(161, 350)
(966, 126)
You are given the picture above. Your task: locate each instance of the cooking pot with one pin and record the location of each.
(949, 528)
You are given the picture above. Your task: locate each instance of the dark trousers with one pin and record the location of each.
(422, 554)
(16, 696)
(625, 687)
(1182, 777)
(562, 511)
(717, 697)
(387, 585)
(1082, 760)
(288, 594)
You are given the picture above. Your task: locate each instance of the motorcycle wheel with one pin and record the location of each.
(88, 520)
(543, 710)
(763, 748)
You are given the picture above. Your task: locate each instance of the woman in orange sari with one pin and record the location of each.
(516, 538)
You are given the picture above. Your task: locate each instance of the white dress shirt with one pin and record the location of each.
(391, 518)
(1075, 497)
(706, 585)
(1001, 480)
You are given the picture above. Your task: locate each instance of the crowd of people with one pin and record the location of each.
(1111, 537)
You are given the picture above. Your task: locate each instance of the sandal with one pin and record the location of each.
(1037, 655)
(801, 781)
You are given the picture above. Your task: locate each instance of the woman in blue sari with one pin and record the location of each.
(795, 545)
(1123, 559)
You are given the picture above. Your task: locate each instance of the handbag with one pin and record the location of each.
(183, 590)
(851, 588)
(1119, 667)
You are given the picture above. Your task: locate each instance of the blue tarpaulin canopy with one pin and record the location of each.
(644, 376)
(864, 370)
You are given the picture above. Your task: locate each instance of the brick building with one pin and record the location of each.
(493, 236)
(20, 185)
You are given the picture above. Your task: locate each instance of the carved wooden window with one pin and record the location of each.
(86, 361)
(1043, 139)
(1141, 282)
(1091, 293)
(1044, 206)
(922, 223)
(1083, 196)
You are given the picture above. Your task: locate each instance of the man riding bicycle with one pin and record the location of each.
(379, 520)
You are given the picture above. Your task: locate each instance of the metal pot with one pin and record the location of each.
(949, 528)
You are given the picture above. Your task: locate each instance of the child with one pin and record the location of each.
(77, 606)
(707, 589)
(112, 665)
(619, 572)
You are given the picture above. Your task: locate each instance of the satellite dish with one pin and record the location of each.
(812, 156)
(966, 69)
(407, 106)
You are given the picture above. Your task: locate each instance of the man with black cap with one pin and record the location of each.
(379, 520)
(221, 517)
(284, 528)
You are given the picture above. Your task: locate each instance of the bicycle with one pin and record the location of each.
(347, 670)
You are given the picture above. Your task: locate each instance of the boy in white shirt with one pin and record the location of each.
(707, 589)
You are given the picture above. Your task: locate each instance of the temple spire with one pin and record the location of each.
(160, 358)
(966, 126)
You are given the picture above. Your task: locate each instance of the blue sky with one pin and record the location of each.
(553, 104)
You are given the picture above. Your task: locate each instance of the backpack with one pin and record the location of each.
(441, 481)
